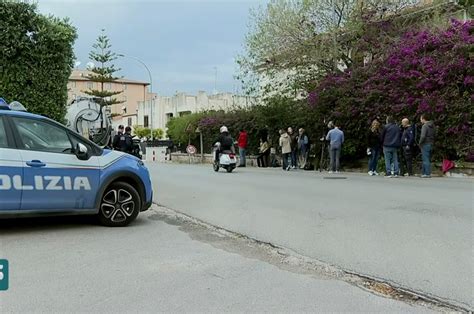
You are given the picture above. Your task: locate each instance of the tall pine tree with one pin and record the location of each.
(103, 71)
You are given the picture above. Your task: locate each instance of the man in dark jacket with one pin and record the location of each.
(408, 141)
(427, 136)
(125, 143)
(115, 141)
(391, 143)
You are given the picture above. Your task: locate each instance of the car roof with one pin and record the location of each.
(21, 114)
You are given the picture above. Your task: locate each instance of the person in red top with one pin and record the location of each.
(242, 143)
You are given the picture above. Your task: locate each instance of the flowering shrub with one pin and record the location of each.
(428, 71)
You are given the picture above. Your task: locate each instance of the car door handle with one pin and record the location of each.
(36, 163)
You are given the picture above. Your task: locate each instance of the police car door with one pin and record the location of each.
(11, 169)
(54, 178)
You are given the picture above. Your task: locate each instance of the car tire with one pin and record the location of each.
(119, 205)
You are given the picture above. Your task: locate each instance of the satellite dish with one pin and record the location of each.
(90, 65)
(77, 63)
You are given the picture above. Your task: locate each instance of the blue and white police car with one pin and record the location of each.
(47, 169)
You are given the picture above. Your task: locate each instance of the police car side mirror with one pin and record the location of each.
(81, 152)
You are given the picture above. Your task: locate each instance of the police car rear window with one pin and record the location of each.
(3, 134)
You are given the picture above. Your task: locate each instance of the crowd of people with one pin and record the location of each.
(399, 145)
(391, 140)
(294, 148)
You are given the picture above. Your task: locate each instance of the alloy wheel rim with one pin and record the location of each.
(117, 205)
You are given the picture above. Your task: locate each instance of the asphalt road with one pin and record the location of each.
(412, 232)
(159, 264)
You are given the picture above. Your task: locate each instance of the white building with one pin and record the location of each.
(167, 107)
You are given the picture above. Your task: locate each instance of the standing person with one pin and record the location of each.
(264, 152)
(242, 143)
(408, 141)
(391, 143)
(427, 137)
(303, 147)
(285, 144)
(116, 140)
(294, 147)
(126, 142)
(374, 146)
(336, 138)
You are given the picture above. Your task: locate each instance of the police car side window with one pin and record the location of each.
(42, 136)
(3, 134)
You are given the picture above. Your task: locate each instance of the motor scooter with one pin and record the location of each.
(227, 159)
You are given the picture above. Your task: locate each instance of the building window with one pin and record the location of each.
(145, 121)
(129, 121)
(184, 113)
(107, 86)
(72, 84)
(90, 85)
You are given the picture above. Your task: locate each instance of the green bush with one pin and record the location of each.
(36, 58)
(145, 132)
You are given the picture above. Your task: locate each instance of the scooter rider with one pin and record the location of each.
(227, 143)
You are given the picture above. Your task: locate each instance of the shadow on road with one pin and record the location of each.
(55, 223)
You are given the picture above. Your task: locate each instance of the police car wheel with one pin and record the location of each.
(120, 205)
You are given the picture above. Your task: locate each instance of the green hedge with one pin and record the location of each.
(36, 58)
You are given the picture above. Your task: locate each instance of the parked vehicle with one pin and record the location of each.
(48, 169)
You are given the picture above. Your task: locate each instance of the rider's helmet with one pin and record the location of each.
(223, 129)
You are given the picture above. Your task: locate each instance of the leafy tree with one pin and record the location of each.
(182, 129)
(103, 71)
(292, 44)
(36, 58)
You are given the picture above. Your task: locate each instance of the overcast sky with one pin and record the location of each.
(181, 41)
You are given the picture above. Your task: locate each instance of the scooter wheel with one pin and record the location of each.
(229, 170)
(216, 166)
